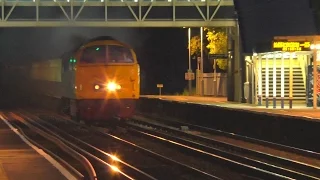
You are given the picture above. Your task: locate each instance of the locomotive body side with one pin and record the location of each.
(51, 82)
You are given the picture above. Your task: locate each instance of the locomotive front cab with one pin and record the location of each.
(107, 79)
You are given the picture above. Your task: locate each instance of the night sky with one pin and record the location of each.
(261, 20)
(162, 52)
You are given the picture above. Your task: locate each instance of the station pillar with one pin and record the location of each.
(237, 66)
(230, 70)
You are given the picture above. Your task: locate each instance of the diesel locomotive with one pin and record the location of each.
(97, 81)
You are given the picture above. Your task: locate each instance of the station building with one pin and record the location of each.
(284, 76)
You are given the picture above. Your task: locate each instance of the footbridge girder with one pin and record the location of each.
(117, 13)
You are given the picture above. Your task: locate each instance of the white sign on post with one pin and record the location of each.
(159, 86)
(189, 76)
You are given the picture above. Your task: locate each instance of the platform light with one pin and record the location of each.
(315, 46)
(312, 46)
(285, 55)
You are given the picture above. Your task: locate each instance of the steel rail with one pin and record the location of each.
(172, 122)
(298, 165)
(77, 147)
(95, 148)
(100, 131)
(209, 152)
(202, 173)
(76, 172)
(83, 160)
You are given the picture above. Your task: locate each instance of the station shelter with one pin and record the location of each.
(284, 76)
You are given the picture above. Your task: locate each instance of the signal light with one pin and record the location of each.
(72, 60)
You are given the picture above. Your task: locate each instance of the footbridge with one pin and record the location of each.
(117, 13)
(130, 13)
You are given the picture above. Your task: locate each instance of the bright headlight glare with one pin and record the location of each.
(111, 86)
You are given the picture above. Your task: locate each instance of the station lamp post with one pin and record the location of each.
(199, 71)
(315, 47)
(201, 63)
(189, 72)
(189, 69)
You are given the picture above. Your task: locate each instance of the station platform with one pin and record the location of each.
(298, 110)
(20, 160)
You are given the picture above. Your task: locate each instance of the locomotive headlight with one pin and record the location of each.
(111, 86)
(96, 87)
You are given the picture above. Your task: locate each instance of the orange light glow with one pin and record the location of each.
(115, 168)
(96, 87)
(115, 158)
(111, 86)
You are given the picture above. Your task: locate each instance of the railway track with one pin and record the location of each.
(76, 163)
(194, 146)
(104, 169)
(214, 166)
(171, 130)
(176, 123)
(148, 164)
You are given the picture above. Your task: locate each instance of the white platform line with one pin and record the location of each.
(56, 164)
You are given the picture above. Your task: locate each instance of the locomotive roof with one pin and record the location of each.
(99, 38)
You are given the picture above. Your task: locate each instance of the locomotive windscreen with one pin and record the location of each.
(104, 54)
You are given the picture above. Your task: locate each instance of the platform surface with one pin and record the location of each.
(18, 161)
(297, 110)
